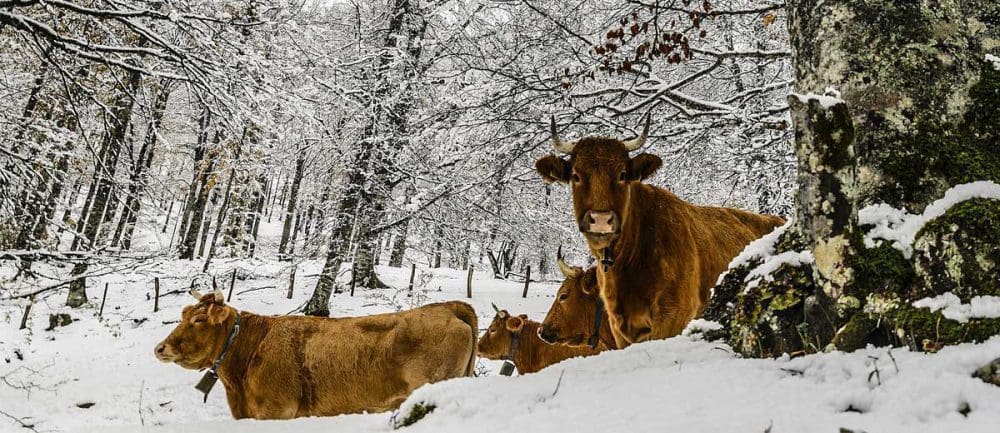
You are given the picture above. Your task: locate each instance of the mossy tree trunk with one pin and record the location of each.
(916, 115)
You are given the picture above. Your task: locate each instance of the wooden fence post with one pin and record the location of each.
(468, 284)
(353, 280)
(527, 280)
(104, 298)
(156, 294)
(232, 283)
(291, 282)
(413, 272)
(27, 310)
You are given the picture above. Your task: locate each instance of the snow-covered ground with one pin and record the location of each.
(675, 385)
(110, 363)
(101, 376)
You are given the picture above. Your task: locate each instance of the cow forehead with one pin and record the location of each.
(199, 307)
(599, 150)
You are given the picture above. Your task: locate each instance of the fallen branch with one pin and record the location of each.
(256, 289)
(19, 421)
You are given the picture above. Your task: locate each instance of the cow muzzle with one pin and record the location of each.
(164, 353)
(547, 334)
(600, 223)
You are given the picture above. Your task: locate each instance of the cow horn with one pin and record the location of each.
(194, 292)
(218, 296)
(495, 308)
(567, 270)
(561, 146)
(637, 142)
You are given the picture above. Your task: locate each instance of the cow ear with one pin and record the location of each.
(514, 324)
(553, 169)
(217, 314)
(643, 166)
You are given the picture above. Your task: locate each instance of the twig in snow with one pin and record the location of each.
(19, 421)
(893, 358)
(256, 289)
(876, 373)
(142, 386)
(558, 383)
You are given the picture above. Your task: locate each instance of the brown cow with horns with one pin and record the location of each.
(515, 339)
(659, 255)
(577, 317)
(293, 366)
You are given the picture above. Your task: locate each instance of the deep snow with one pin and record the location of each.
(676, 385)
(682, 384)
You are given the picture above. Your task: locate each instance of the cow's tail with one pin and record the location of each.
(467, 314)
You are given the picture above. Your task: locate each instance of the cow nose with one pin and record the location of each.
(547, 334)
(160, 352)
(601, 221)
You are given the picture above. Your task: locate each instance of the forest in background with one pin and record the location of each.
(384, 131)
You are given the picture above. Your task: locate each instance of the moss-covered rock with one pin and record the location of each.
(723, 301)
(766, 319)
(912, 326)
(959, 252)
(879, 270)
(989, 373)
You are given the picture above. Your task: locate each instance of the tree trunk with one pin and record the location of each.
(438, 234)
(319, 302)
(70, 204)
(464, 259)
(916, 116)
(257, 216)
(206, 181)
(221, 218)
(399, 247)
(286, 230)
(206, 225)
(199, 157)
(166, 221)
(140, 172)
(295, 233)
(363, 269)
(367, 160)
(104, 173)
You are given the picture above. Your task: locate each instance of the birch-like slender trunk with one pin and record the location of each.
(286, 230)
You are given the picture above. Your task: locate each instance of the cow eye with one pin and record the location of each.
(575, 177)
(563, 296)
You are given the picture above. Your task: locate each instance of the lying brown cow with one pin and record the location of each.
(515, 338)
(294, 366)
(577, 311)
(659, 255)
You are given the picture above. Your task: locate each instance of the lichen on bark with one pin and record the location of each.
(919, 116)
